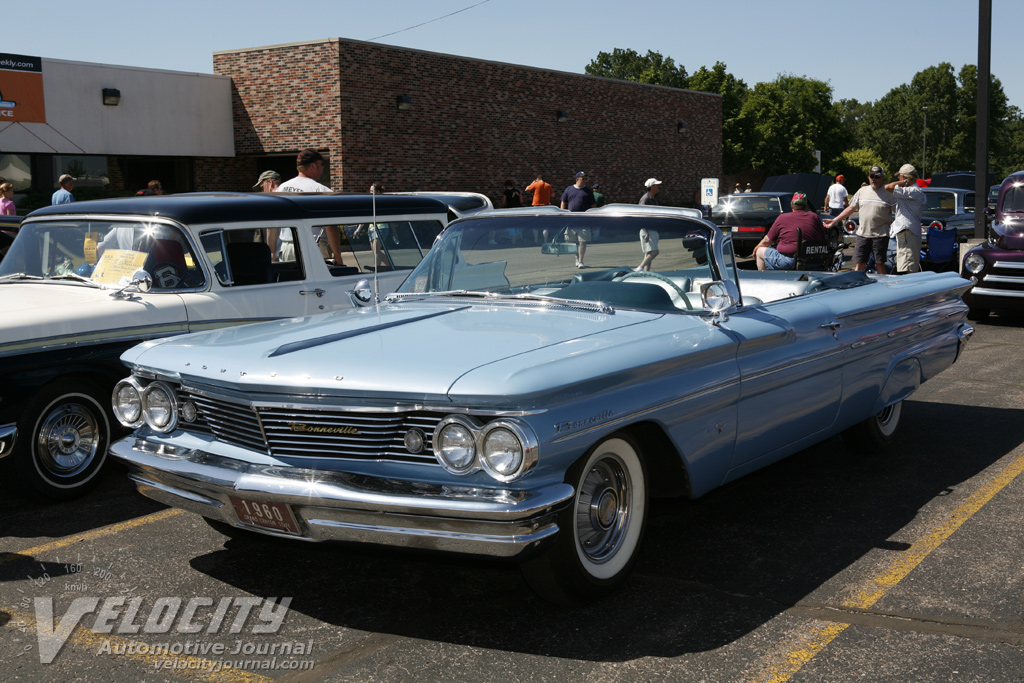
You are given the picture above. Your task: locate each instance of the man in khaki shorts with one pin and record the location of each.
(906, 227)
(874, 204)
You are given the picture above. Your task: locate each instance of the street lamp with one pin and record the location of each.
(924, 140)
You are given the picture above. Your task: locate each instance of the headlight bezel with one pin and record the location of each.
(974, 263)
(480, 433)
(133, 384)
(527, 446)
(472, 426)
(172, 405)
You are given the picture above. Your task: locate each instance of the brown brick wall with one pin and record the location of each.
(473, 124)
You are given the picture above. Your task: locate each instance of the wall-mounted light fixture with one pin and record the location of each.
(111, 96)
(681, 127)
(404, 103)
(561, 116)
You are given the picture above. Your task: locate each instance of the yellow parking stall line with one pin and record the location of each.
(93, 534)
(195, 668)
(804, 646)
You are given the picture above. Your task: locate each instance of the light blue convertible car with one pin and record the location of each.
(508, 402)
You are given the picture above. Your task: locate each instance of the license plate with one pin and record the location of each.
(277, 516)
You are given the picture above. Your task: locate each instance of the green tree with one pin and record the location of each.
(894, 126)
(735, 130)
(629, 65)
(790, 118)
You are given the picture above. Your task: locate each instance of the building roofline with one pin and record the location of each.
(460, 57)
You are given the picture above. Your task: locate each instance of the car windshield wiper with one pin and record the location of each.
(18, 276)
(73, 276)
(521, 296)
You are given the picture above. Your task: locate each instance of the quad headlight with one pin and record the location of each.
(159, 406)
(127, 400)
(504, 448)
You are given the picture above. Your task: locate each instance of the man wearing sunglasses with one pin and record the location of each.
(874, 204)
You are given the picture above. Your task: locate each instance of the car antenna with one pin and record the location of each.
(374, 243)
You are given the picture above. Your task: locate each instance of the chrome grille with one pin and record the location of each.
(363, 436)
(230, 422)
(308, 433)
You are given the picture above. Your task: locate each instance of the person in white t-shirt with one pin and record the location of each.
(310, 165)
(836, 199)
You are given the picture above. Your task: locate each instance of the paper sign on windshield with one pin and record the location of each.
(116, 264)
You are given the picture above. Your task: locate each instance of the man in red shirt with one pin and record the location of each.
(784, 236)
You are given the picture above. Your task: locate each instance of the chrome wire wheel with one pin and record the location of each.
(603, 509)
(68, 439)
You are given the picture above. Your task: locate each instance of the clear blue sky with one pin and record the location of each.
(863, 48)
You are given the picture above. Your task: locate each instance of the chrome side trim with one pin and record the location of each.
(646, 411)
(1004, 278)
(985, 291)
(292, 402)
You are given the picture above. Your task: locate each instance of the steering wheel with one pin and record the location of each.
(167, 275)
(661, 278)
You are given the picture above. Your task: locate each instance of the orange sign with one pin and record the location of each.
(21, 89)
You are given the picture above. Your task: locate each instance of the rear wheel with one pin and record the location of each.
(64, 446)
(599, 533)
(877, 431)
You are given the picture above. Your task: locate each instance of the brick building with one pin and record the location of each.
(418, 120)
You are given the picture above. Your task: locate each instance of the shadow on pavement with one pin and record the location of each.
(23, 514)
(711, 570)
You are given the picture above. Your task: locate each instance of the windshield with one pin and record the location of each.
(1013, 200)
(742, 204)
(103, 252)
(581, 256)
(940, 203)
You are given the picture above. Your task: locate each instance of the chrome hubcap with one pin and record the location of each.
(602, 510)
(68, 440)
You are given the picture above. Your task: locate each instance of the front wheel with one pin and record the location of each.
(599, 533)
(66, 440)
(877, 431)
(977, 313)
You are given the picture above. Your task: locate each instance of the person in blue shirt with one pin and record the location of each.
(63, 195)
(578, 197)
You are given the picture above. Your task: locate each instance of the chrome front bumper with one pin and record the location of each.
(336, 506)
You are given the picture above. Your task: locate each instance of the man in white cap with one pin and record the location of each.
(653, 186)
(906, 227)
(63, 195)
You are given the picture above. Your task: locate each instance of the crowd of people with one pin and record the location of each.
(885, 210)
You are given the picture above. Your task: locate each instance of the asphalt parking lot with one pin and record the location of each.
(833, 565)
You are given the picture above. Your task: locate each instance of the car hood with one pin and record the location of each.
(420, 351)
(1010, 232)
(43, 315)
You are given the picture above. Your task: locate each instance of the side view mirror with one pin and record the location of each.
(142, 281)
(718, 297)
(362, 294)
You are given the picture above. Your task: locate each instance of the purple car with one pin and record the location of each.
(998, 265)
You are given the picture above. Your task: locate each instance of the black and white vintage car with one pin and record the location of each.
(82, 282)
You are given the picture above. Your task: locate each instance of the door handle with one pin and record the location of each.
(319, 292)
(834, 325)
